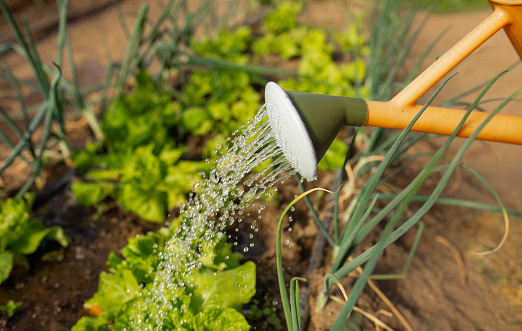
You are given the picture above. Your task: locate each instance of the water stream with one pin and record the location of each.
(219, 201)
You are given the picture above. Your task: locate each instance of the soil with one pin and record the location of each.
(447, 286)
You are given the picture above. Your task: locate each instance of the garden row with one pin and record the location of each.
(155, 142)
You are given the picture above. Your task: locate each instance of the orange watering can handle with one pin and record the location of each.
(398, 112)
(449, 60)
(438, 120)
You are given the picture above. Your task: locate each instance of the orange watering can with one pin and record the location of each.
(307, 123)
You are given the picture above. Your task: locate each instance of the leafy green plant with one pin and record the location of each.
(212, 302)
(21, 234)
(143, 169)
(265, 311)
(283, 18)
(318, 72)
(10, 307)
(146, 133)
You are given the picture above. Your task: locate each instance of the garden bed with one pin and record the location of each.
(445, 288)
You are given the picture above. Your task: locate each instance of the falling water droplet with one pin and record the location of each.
(208, 211)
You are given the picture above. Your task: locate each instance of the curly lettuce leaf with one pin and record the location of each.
(219, 255)
(226, 319)
(221, 287)
(224, 289)
(196, 120)
(90, 194)
(140, 118)
(140, 255)
(283, 18)
(115, 290)
(149, 204)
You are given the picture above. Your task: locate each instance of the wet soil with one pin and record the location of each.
(446, 288)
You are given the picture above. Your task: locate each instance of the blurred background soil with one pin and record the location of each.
(447, 287)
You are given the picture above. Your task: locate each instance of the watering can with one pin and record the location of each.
(307, 123)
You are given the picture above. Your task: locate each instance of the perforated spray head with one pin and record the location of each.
(305, 124)
(290, 132)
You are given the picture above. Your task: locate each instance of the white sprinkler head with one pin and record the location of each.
(290, 132)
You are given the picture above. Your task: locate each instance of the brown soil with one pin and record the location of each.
(446, 288)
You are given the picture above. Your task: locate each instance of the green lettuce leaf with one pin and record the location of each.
(196, 120)
(180, 318)
(140, 255)
(284, 17)
(90, 194)
(88, 323)
(219, 255)
(34, 233)
(226, 319)
(115, 290)
(224, 289)
(21, 234)
(6, 265)
(149, 204)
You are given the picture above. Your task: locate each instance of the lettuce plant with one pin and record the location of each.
(142, 168)
(211, 303)
(141, 162)
(21, 234)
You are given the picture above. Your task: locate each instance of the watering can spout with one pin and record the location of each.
(305, 124)
(325, 115)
